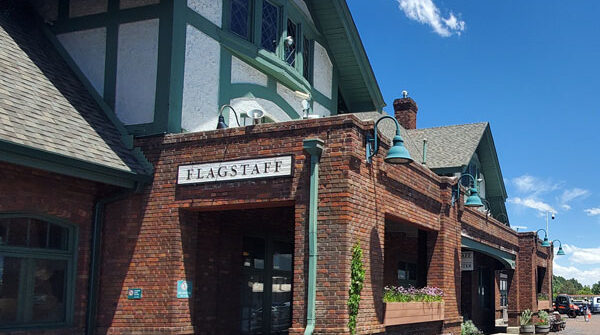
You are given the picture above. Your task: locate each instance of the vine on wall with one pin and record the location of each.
(357, 278)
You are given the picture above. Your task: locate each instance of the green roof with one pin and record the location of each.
(356, 78)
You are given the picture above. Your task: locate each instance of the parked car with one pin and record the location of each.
(595, 305)
(564, 305)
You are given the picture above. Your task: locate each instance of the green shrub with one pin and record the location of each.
(543, 316)
(469, 328)
(525, 317)
(357, 278)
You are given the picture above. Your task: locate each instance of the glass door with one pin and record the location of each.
(266, 286)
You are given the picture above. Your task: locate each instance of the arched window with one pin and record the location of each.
(37, 270)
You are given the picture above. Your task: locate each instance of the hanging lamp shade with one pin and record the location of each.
(545, 242)
(473, 200)
(560, 252)
(398, 153)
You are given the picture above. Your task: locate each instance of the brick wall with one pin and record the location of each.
(70, 199)
(152, 239)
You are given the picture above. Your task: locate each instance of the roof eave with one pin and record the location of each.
(19, 154)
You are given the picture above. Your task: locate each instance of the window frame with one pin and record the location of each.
(28, 256)
(287, 11)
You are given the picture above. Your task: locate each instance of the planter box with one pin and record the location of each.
(402, 313)
(543, 305)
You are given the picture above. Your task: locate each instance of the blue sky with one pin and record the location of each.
(530, 68)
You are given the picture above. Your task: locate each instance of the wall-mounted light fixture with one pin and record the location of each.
(256, 115)
(560, 252)
(221, 122)
(397, 153)
(545, 242)
(473, 200)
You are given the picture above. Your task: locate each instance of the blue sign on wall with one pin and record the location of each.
(134, 293)
(184, 289)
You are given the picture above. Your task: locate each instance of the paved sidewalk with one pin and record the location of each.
(578, 326)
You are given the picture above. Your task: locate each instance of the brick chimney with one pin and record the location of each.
(405, 111)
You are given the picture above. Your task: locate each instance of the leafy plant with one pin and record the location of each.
(402, 294)
(543, 316)
(525, 317)
(469, 328)
(357, 278)
(542, 296)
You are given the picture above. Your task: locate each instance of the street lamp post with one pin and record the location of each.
(547, 226)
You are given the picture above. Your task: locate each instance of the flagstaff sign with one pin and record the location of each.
(235, 170)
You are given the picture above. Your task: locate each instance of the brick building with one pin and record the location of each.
(130, 214)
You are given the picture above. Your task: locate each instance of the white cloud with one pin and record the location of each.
(530, 184)
(517, 228)
(582, 255)
(572, 194)
(426, 12)
(593, 211)
(532, 203)
(586, 277)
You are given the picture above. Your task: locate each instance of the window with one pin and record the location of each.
(290, 43)
(240, 18)
(407, 274)
(306, 59)
(36, 271)
(267, 33)
(503, 286)
(270, 26)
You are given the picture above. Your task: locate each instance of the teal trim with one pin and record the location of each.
(172, 36)
(225, 91)
(110, 65)
(507, 259)
(96, 260)
(241, 90)
(314, 147)
(49, 161)
(28, 256)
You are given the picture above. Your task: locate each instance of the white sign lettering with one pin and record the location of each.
(235, 170)
(466, 263)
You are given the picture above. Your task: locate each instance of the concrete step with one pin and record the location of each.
(513, 330)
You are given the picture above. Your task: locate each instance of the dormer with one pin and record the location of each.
(168, 66)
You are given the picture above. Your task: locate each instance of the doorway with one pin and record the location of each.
(266, 301)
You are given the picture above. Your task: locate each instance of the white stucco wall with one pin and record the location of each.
(323, 71)
(136, 3)
(137, 58)
(88, 50)
(246, 104)
(243, 73)
(320, 110)
(200, 82)
(291, 98)
(210, 9)
(87, 7)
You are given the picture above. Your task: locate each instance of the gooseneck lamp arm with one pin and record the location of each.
(221, 122)
(545, 242)
(560, 252)
(473, 200)
(397, 153)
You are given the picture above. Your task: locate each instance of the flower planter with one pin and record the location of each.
(401, 313)
(542, 329)
(529, 329)
(543, 305)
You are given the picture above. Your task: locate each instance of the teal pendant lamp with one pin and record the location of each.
(473, 200)
(545, 242)
(398, 154)
(560, 252)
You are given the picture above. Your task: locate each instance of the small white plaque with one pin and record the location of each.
(235, 170)
(466, 263)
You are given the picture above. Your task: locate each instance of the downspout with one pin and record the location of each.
(314, 147)
(95, 257)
